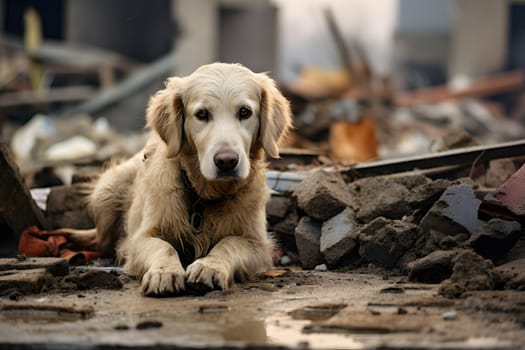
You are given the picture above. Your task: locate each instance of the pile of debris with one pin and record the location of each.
(428, 229)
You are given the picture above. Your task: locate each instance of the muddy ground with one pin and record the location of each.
(366, 308)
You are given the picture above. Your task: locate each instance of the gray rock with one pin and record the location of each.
(323, 195)
(384, 241)
(308, 241)
(455, 212)
(495, 238)
(338, 236)
(433, 268)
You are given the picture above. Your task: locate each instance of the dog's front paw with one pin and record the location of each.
(163, 281)
(207, 273)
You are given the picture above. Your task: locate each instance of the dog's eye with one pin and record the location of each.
(203, 115)
(244, 113)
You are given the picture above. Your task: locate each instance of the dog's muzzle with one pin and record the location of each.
(226, 163)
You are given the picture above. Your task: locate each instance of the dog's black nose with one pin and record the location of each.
(226, 160)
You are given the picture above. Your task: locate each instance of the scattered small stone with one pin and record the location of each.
(392, 290)
(122, 327)
(15, 295)
(472, 303)
(213, 308)
(450, 315)
(285, 260)
(321, 267)
(402, 311)
(148, 325)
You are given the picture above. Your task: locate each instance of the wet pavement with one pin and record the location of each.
(296, 310)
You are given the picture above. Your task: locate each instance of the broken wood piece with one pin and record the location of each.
(25, 281)
(500, 83)
(82, 311)
(461, 156)
(64, 94)
(55, 266)
(18, 210)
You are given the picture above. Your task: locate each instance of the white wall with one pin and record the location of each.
(305, 39)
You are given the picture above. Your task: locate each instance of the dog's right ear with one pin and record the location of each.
(165, 115)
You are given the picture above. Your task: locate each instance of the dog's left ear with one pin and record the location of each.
(275, 116)
(165, 115)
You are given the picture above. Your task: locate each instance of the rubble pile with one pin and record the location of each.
(426, 228)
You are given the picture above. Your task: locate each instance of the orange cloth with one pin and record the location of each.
(35, 242)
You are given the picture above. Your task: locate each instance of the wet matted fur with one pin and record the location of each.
(205, 157)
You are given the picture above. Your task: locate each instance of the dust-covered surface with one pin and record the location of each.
(366, 308)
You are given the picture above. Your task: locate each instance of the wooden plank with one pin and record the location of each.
(462, 156)
(489, 86)
(65, 94)
(18, 210)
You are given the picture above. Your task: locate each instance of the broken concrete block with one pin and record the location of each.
(385, 196)
(67, 207)
(433, 268)
(308, 240)
(455, 212)
(323, 195)
(55, 266)
(338, 236)
(25, 281)
(277, 208)
(495, 238)
(17, 209)
(469, 272)
(384, 241)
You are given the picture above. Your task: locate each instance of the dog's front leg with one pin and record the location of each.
(232, 257)
(158, 263)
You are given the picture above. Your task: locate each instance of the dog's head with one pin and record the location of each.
(222, 111)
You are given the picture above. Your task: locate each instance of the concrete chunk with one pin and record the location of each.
(307, 238)
(455, 212)
(495, 238)
(277, 208)
(338, 236)
(323, 195)
(385, 196)
(384, 241)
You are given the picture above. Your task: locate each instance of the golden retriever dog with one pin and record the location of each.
(189, 209)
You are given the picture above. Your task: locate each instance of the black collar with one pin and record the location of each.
(195, 204)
